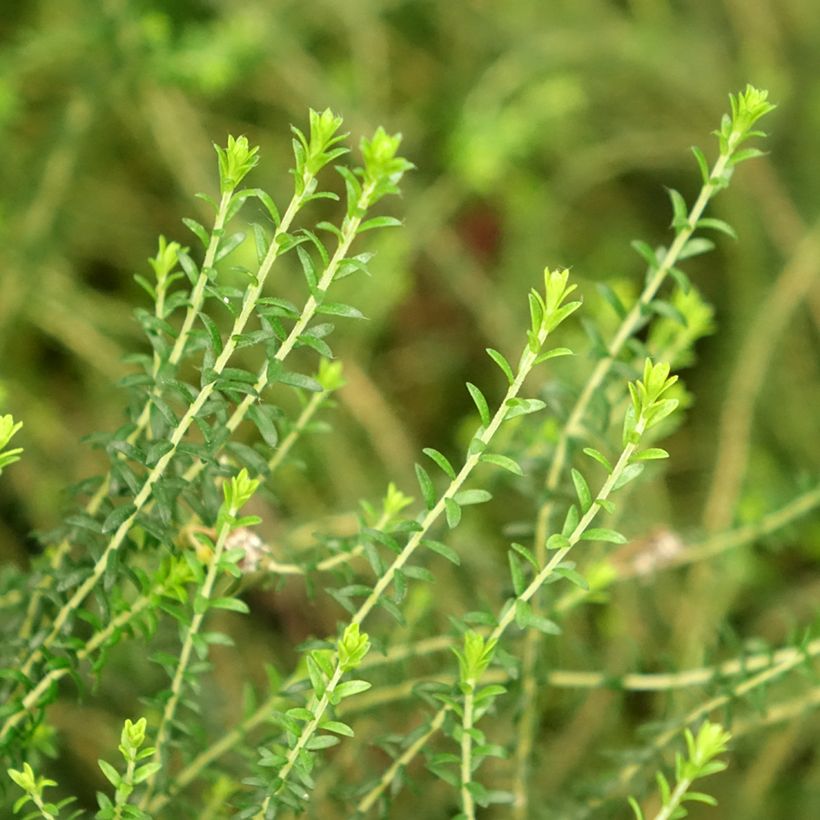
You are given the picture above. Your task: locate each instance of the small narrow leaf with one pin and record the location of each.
(442, 549)
(441, 461)
(503, 462)
(603, 534)
(526, 554)
(116, 517)
(348, 688)
(558, 542)
(702, 164)
(468, 497)
(453, 512)
(379, 222)
(518, 580)
(555, 353)
(572, 575)
(696, 246)
(338, 309)
(717, 225)
(428, 491)
(582, 490)
(502, 363)
(650, 454)
(197, 229)
(599, 457)
(480, 403)
(631, 471)
(523, 407)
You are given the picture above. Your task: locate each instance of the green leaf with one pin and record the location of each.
(428, 491)
(572, 575)
(467, 497)
(318, 679)
(442, 549)
(321, 742)
(502, 363)
(229, 245)
(717, 225)
(523, 407)
(441, 461)
(696, 246)
(339, 309)
(480, 403)
(525, 618)
(702, 164)
(680, 217)
(146, 771)
(631, 471)
(117, 517)
(349, 688)
(503, 462)
(612, 299)
(526, 554)
(299, 380)
(453, 513)
(599, 457)
(558, 542)
(605, 504)
(518, 580)
(338, 727)
(647, 252)
(213, 333)
(379, 222)
(262, 416)
(111, 774)
(198, 231)
(233, 604)
(650, 454)
(555, 353)
(581, 490)
(603, 534)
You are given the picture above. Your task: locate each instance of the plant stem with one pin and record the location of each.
(60, 552)
(202, 595)
(349, 228)
(144, 495)
(630, 323)
(467, 801)
(32, 698)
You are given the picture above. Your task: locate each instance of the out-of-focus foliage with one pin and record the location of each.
(542, 133)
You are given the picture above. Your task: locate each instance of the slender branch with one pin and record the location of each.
(572, 427)
(203, 595)
(467, 801)
(61, 551)
(143, 496)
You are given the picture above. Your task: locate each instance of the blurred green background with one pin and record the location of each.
(543, 134)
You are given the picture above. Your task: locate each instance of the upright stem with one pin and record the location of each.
(529, 701)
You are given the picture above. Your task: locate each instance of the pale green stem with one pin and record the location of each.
(350, 226)
(467, 801)
(654, 748)
(129, 780)
(308, 412)
(202, 595)
(573, 427)
(32, 698)
(675, 798)
(275, 567)
(525, 365)
(509, 613)
(143, 496)
(707, 548)
(366, 803)
(92, 507)
(310, 727)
